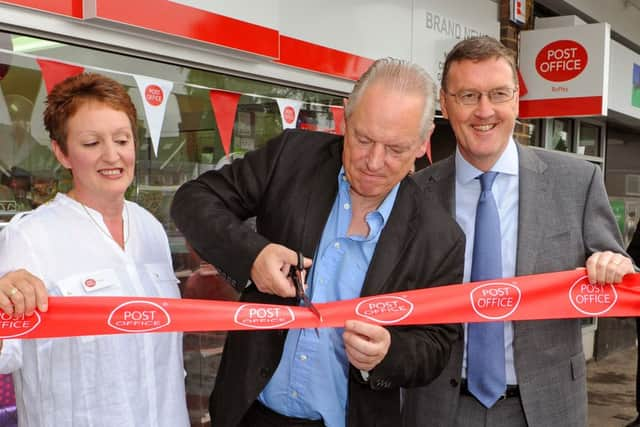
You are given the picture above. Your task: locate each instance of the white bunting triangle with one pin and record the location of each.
(289, 109)
(154, 94)
(5, 118)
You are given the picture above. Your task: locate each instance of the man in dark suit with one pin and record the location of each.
(552, 215)
(349, 205)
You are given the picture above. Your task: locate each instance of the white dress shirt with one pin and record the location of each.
(109, 380)
(505, 191)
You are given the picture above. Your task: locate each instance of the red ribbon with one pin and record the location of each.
(560, 295)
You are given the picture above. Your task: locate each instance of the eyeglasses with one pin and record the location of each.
(495, 96)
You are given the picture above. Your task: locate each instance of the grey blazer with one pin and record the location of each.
(564, 216)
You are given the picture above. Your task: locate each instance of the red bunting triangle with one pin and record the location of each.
(225, 105)
(523, 87)
(53, 72)
(5, 58)
(338, 119)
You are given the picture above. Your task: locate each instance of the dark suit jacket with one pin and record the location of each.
(564, 216)
(290, 186)
(634, 247)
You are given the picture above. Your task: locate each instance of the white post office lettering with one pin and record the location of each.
(561, 60)
(375, 308)
(138, 318)
(592, 294)
(264, 315)
(18, 322)
(495, 298)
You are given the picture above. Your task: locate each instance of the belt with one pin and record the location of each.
(511, 391)
(263, 416)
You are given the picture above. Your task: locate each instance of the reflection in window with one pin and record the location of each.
(588, 139)
(189, 144)
(560, 135)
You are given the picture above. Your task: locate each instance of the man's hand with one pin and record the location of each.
(366, 344)
(608, 267)
(270, 270)
(21, 292)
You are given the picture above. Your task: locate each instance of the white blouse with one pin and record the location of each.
(111, 380)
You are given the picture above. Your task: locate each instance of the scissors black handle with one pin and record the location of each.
(296, 275)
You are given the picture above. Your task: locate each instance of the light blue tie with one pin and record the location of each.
(485, 341)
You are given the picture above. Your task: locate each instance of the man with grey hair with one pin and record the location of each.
(349, 206)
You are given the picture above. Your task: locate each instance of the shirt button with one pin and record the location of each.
(347, 206)
(303, 357)
(336, 245)
(294, 394)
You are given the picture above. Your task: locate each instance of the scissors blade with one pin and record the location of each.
(310, 306)
(299, 283)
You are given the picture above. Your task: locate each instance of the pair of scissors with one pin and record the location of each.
(296, 275)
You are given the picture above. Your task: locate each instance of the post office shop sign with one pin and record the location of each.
(565, 71)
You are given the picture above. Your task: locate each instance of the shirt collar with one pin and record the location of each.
(507, 164)
(387, 204)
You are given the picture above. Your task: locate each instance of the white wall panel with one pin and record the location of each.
(622, 15)
(621, 80)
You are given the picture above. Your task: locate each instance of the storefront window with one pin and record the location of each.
(561, 135)
(588, 142)
(526, 132)
(190, 143)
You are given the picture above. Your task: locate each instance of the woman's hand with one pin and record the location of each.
(21, 293)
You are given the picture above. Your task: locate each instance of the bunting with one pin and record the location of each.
(53, 72)
(225, 105)
(154, 93)
(289, 109)
(338, 119)
(5, 58)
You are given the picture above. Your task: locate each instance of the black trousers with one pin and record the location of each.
(259, 415)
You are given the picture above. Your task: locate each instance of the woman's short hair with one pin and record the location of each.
(68, 96)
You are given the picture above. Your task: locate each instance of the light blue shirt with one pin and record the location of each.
(505, 191)
(311, 380)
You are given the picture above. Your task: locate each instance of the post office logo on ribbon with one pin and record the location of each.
(138, 316)
(496, 300)
(385, 309)
(12, 327)
(258, 316)
(592, 300)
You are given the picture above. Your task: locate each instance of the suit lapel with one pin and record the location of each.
(393, 241)
(440, 183)
(322, 194)
(533, 207)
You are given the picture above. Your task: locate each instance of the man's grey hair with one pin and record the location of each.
(402, 76)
